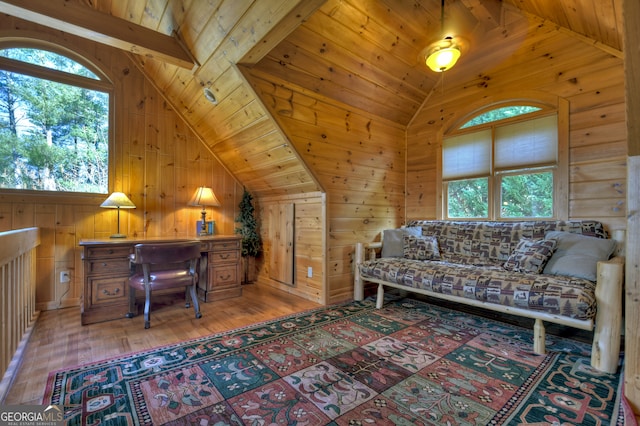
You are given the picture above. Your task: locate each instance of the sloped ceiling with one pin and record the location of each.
(365, 54)
(370, 55)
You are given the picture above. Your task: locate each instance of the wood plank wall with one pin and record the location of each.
(358, 159)
(631, 11)
(550, 65)
(310, 245)
(157, 160)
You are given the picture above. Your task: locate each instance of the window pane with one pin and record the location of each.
(467, 155)
(468, 198)
(53, 136)
(527, 195)
(500, 114)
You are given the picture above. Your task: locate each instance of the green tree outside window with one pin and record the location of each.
(53, 136)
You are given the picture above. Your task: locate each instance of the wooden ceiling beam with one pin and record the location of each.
(85, 22)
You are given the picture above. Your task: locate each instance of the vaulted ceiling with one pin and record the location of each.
(368, 55)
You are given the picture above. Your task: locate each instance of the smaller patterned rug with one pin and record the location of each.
(410, 363)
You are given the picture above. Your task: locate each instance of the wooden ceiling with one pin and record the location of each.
(370, 55)
(365, 54)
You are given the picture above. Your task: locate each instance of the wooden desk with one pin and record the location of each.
(106, 272)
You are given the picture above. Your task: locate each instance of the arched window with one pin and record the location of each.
(54, 121)
(503, 164)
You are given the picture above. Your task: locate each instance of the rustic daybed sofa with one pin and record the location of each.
(564, 272)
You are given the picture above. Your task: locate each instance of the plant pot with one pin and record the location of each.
(248, 269)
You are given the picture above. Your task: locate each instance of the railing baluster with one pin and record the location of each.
(17, 298)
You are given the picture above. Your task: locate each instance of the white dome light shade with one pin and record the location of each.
(443, 55)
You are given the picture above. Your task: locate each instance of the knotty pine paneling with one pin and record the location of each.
(613, 112)
(347, 52)
(631, 12)
(421, 185)
(156, 159)
(614, 168)
(598, 151)
(589, 79)
(357, 157)
(310, 245)
(584, 19)
(231, 30)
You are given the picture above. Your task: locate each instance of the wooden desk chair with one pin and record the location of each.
(164, 265)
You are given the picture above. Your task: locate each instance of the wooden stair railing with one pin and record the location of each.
(17, 299)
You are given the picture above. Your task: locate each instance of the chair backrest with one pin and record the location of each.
(166, 253)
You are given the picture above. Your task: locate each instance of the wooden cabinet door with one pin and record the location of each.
(281, 236)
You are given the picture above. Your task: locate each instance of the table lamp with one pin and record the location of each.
(118, 200)
(202, 198)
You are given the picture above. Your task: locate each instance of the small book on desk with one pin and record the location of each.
(209, 227)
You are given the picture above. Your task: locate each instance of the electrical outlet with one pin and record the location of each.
(309, 272)
(65, 277)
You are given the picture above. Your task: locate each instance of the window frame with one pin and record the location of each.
(560, 169)
(102, 84)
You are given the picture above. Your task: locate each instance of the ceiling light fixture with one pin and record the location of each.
(210, 96)
(443, 54)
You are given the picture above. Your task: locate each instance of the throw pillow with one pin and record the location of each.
(393, 240)
(530, 256)
(578, 255)
(421, 248)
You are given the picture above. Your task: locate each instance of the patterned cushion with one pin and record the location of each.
(555, 294)
(491, 243)
(471, 265)
(420, 248)
(530, 256)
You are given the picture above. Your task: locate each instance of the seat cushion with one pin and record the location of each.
(163, 279)
(555, 294)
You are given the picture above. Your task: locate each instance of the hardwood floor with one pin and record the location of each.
(59, 341)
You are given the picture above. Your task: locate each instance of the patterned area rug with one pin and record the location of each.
(408, 363)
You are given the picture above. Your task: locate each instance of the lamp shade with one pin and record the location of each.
(204, 197)
(443, 55)
(118, 200)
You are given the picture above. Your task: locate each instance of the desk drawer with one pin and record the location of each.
(224, 275)
(227, 256)
(108, 290)
(110, 266)
(221, 245)
(107, 252)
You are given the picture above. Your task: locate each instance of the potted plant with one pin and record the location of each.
(251, 241)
